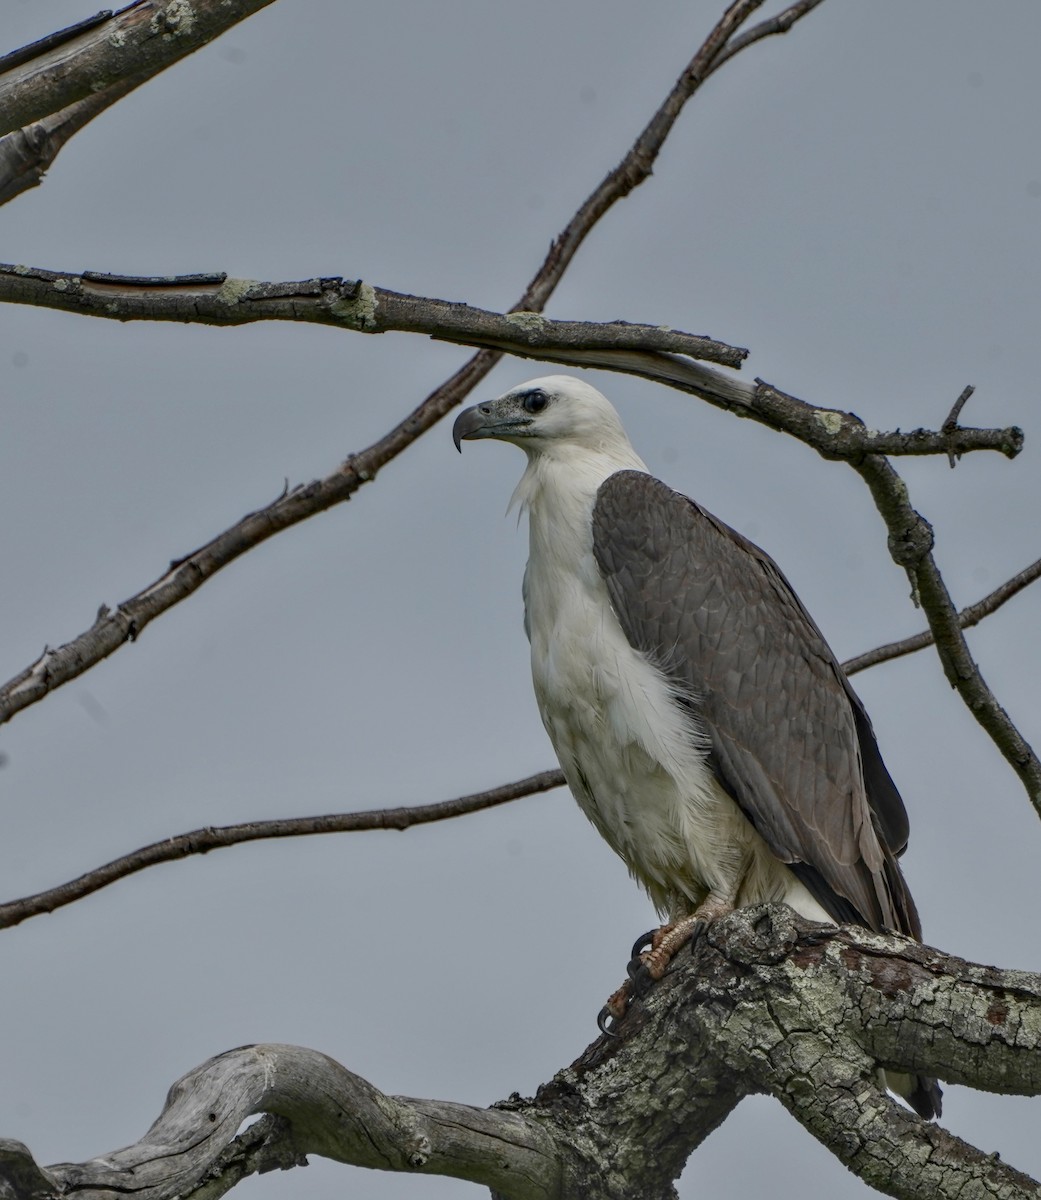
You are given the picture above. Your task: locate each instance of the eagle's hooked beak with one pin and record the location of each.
(492, 418)
(469, 424)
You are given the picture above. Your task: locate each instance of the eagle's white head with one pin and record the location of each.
(573, 439)
(556, 417)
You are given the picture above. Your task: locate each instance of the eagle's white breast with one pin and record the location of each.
(631, 755)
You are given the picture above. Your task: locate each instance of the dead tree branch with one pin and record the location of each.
(653, 351)
(202, 841)
(351, 304)
(324, 1109)
(733, 1016)
(910, 546)
(111, 49)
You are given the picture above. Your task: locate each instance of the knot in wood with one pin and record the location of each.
(763, 935)
(911, 545)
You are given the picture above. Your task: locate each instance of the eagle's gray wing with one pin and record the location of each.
(789, 739)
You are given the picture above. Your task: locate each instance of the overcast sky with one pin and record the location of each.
(858, 203)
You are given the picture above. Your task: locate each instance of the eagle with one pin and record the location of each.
(701, 720)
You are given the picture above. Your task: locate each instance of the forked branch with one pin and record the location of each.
(113, 629)
(967, 618)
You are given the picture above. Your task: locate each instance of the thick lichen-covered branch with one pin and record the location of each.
(768, 1002)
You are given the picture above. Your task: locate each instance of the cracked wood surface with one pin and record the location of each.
(767, 1002)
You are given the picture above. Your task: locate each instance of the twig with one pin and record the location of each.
(112, 629)
(950, 426)
(836, 434)
(636, 166)
(773, 25)
(967, 618)
(202, 841)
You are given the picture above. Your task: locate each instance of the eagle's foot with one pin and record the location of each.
(613, 1011)
(637, 985)
(645, 946)
(670, 938)
(646, 941)
(651, 954)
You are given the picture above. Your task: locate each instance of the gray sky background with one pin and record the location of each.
(859, 203)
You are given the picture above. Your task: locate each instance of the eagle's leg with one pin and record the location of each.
(648, 966)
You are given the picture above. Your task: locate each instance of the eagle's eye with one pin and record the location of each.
(535, 400)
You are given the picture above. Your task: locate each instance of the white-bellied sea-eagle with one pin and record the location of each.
(701, 720)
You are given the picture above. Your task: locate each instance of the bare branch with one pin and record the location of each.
(351, 304)
(910, 545)
(636, 166)
(26, 154)
(836, 434)
(967, 618)
(135, 43)
(112, 629)
(202, 841)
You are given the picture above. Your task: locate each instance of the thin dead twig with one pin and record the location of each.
(202, 841)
